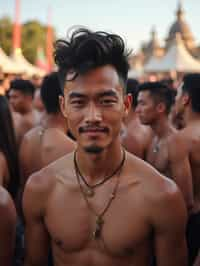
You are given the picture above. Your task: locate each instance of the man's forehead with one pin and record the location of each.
(93, 87)
(144, 94)
(104, 74)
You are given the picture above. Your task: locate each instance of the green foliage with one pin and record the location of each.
(6, 34)
(33, 36)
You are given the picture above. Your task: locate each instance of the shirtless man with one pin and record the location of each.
(167, 151)
(100, 205)
(7, 228)
(135, 136)
(21, 100)
(188, 106)
(48, 141)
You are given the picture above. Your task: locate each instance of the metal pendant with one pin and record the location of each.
(98, 227)
(89, 192)
(156, 148)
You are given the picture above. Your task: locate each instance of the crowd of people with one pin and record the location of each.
(97, 168)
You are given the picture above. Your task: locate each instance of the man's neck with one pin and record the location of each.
(95, 167)
(55, 121)
(162, 127)
(131, 116)
(27, 110)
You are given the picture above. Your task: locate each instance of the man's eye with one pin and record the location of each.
(108, 101)
(77, 102)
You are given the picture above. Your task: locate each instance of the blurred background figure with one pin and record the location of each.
(48, 141)
(135, 136)
(9, 166)
(21, 95)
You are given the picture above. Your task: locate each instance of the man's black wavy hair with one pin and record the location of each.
(84, 50)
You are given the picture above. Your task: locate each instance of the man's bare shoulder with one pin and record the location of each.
(32, 133)
(7, 208)
(154, 184)
(162, 200)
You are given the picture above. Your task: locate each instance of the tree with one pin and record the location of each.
(33, 36)
(6, 34)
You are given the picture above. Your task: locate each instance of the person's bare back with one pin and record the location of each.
(42, 146)
(191, 135)
(154, 210)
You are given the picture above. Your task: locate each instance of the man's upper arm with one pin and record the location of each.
(169, 225)
(180, 168)
(25, 160)
(7, 228)
(36, 235)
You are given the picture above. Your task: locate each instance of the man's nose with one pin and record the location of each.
(93, 114)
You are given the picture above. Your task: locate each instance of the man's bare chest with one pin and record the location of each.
(158, 157)
(71, 224)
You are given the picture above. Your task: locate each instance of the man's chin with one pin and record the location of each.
(93, 149)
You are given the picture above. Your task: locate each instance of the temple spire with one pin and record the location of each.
(180, 11)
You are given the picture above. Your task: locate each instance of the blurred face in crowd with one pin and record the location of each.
(146, 108)
(18, 100)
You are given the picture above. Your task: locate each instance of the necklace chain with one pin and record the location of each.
(102, 181)
(99, 217)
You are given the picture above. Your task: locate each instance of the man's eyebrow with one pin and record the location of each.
(107, 93)
(76, 95)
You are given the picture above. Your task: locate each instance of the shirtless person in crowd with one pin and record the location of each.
(100, 205)
(48, 141)
(21, 100)
(135, 136)
(188, 106)
(167, 151)
(7, 228)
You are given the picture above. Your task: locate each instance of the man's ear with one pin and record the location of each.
(62, 105)
(161, 108)
(128, 99)
(185, 99)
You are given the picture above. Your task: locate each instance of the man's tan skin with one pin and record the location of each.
(8, 222)
(187, 105)
(48, 141)
(136, 137)
(148, 210)
(167, 151)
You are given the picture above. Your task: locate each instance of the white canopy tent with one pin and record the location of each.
(24, 65)
(178, 59)
(152, 65)
(7, 64)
